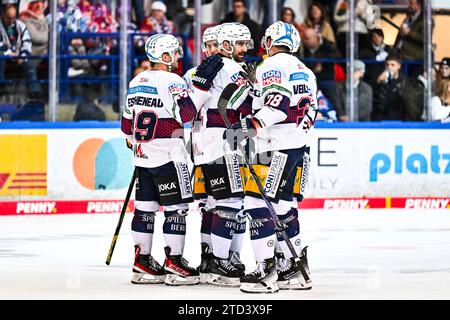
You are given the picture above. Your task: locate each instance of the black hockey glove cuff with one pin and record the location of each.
(207, 71)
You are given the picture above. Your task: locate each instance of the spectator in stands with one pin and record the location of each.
(144, 65)
(157, 22)
(410, 42)
(387, 103)
(34, 19)
(440, 104)
(363, 92)
(240, 14)
(412, 96)
(69, 17)
(79, 68)
(315, 47)
(444, 71)
(98, 15)
(15, 42)
(444, 68)
(328, 5)
(325, 110)
(377, 50)
(288, 16)
(342, 20)
(139, 10)
(317, 20)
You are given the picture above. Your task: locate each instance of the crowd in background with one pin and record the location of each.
(383, 89)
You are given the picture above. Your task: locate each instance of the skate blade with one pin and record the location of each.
(176, 280)
(259, 288)
(294, 285)
(222, 281)
(144, 278)
(203, 277)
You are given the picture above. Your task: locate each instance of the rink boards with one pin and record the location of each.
(85, 168)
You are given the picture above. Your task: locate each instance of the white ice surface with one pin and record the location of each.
(375, 254)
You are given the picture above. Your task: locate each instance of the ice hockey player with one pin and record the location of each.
(202, 193)
(221, 167)
(284, 110)
(158, 103)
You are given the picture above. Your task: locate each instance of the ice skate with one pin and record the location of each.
(289, 274)
(223, 273)
(146, 270)
(262, 280)
(178, 272)
(205, 263)
(235, 260)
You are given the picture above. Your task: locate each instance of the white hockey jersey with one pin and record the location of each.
(158, 103)
(284, 91)
(188, 77)
(209, 144)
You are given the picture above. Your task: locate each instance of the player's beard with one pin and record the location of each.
(239, 57)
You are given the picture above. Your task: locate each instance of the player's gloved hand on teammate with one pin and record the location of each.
(207, 71)
(240, 132)
(250, 69)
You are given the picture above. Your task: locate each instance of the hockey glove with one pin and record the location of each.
(250, 69)
(307, 123)
(129, 144)
(240, 132)
(207, 71)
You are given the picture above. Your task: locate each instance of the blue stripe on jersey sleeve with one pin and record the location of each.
(143, 89)
(299, 76)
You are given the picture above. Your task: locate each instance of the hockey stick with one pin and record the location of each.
(390, 22)
(246, 77)
(122, 215)
(222, 106)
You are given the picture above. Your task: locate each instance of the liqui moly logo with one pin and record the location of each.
(272, 76)
(238, 79)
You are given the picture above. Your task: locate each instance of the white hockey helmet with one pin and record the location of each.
(296, 39)
(233, 32)
(210, 34)
(282, 34)
(159, 44)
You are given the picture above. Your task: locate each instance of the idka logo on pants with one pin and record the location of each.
(100, 164)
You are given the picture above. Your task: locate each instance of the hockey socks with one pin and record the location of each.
(262, 233)
(206, 225)
(142, 227)
(223, 226)
(238, 235)
(174, 229)
(292, 228)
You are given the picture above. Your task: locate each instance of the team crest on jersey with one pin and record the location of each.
(138, 153)
(177, 88)
(238, 79)
(272, 76)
